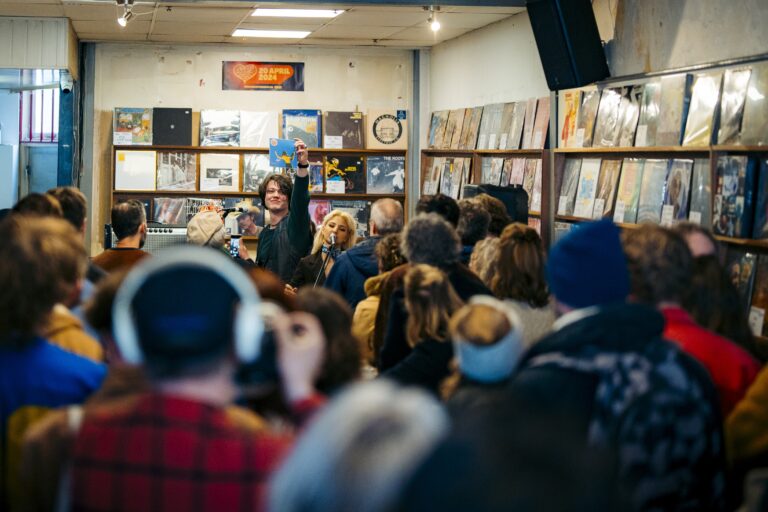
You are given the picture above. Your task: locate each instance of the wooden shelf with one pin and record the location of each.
(630, 150)
(471, 152)
(161, 193)
(238, 149)
(745, 242)
(738, 148)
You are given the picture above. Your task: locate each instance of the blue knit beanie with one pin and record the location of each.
(588, 266)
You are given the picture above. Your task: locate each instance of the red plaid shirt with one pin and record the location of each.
(166, 453)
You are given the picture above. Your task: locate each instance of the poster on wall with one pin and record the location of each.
(262, 76)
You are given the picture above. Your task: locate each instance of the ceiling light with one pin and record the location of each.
(284, 34)
(297, 13)
(432, 20)
(127, 13)
(125, 18)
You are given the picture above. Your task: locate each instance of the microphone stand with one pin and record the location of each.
(325, 261)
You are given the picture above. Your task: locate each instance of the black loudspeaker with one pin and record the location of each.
(515, 198)
(568, 41)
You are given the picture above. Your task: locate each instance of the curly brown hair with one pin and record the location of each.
(660, 263)
(43, 260)
(520, 267)
(388, 253)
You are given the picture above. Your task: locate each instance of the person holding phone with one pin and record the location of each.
(287, 237)
(337, 233)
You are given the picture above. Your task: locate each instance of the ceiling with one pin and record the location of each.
(195, 21)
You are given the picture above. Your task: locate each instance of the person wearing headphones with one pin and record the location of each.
(177, 446)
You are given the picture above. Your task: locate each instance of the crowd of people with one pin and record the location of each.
(447, 363)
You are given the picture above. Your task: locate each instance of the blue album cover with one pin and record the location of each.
(303, 124)
(282, 153)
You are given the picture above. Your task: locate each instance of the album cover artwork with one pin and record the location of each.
(628, 194)
(473, 129)
(304, 124)
(571, 104)
(132, 126)
(450, 129)
(170, 210)
(172, 126)
(318, 209)
(587, 188)
(465, 128)
(431, 183)
(220, 128)
(733, 201)
(536, 192)
(700, 211)
(760, 229)
(457, 177)
(652, 191)
(754, 126)
(541, 124)
(678, 188)
(255, 169)
(437, 128)
(530, 121)
(735, 84)
(485, 171)
(607, 125)
(529, 180)
(506, 123)
(387, 129)
(359, 210)
(135, 170)
(757, 311)
(506, 171)
(176, 171)
(648, 121)
(741, 265)
(345, 174)
(343, 130)
(517, 174)
(585, 122)
(490, 115)
(705, 95)
(219, 172)
(466, 175)
(446, 177)
(569, 186)
(315, 172)
(386, 174)
(562, 229)
(610, 170)
(514, 139)
(629, 112)
(282, 154)
(675, 96)
(256, 128)
(460, 115)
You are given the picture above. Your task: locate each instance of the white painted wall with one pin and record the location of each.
(497, 63)
(148, 75)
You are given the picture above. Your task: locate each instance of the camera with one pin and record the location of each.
(66, 82)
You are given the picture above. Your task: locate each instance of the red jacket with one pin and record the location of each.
(731, 367)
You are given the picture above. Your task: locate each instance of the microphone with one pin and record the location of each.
(333, 239)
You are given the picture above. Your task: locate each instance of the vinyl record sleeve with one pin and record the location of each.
(220, 128)
(172, 126)
(256, 128)
(176, 170)
(705, 96)
(387, 129)
(735, 84)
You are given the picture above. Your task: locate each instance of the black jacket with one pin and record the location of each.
(426, 366)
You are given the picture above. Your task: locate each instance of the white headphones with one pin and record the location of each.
(249, 325)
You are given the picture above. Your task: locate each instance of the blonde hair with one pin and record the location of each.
(351, 227)
(430, 300)
(479, 324)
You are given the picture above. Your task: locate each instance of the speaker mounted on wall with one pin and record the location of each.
(568, 41)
